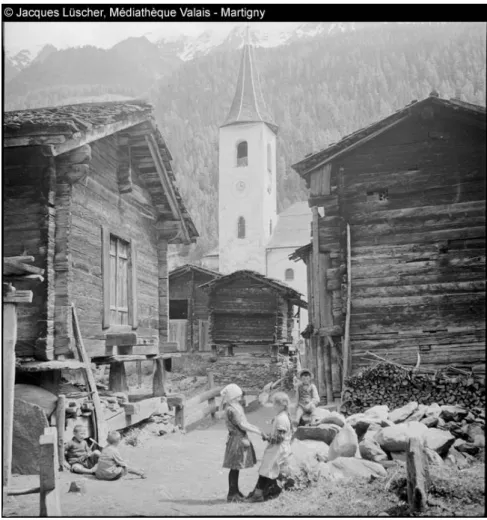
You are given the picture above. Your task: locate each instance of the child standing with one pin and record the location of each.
(111, 466)
(308, 397)
(80, 458)
(277, 453)
(239, 452)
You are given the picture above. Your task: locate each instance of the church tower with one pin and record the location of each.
(247, 174)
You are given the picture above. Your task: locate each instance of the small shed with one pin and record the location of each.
(396, 265)
(188, 307)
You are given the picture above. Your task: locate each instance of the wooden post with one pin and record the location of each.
(179, 416)
(138, 365)
(50, 504)
(117, 380)
(346, 340)
(9, 341)
(211, 384)
(418, 478)
(100, 424)
(159, 380)
(60, 425)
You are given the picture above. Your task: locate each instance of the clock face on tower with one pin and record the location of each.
(240, 186)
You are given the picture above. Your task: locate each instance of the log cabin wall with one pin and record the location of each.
(96, 202)
(28, 224)
(415, 201)
(244, 312)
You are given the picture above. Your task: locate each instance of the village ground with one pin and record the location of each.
(185, 478)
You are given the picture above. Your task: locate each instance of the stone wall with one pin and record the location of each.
(250, 372)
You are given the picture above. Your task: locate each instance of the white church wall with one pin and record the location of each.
(277, 263)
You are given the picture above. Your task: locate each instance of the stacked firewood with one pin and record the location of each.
(395, 386)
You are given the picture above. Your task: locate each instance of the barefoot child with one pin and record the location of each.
(78, 455)
(239, 452)
(276, 455)
(111, 466)
(308, 397)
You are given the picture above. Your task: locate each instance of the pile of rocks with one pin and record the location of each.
(451, 435)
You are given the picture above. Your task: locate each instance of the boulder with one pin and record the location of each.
(309, 452)
(36, 395)
(470, 417)
(395, 438)
(430, 421)
(353, 419)
(318, 415)
(77, 486)
(322, 432)
(379, 412)
(385, 423)
(371, 432)
(334, 418)
(473, 430)
(453, 413)
(433, 457)
(29, 423)
(418, 414)
(479, 441)
(401, 414)
(345, 444)
(438, 440)
(456, 458)
(370, 450)
(433, 410)
(344, 467)
(469, 448)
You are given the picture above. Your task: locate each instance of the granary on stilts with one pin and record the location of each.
(396, 265)
(251, 320)
(90, 194)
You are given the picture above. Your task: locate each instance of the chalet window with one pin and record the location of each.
(119, 281)
(241, 227)
(242, 154)
(289, 275)
(178, 309)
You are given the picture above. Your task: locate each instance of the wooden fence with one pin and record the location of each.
(50, 504)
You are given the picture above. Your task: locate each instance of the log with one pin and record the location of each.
(418, 479)
(61, 424)
(198, 415)
(159, 379)
(23, 491)
(118, 379)
(205, 396)
(121, 339)
(50, 504)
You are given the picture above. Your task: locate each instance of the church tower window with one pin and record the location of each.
(269, 157)
(289, 275)
(242, 154)
(241, 227)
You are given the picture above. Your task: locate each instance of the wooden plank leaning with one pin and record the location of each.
(100, 425)
(346, 340)
(50, 504)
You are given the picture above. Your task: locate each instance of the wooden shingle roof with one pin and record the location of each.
(281, 288)
(315, 160)
(183, 269)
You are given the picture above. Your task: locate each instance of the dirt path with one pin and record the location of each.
(184, 478)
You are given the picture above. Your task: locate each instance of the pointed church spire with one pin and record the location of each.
(248, 103)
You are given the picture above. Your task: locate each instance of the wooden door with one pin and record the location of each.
(178, 333)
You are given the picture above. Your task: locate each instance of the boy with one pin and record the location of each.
(111, 466)
(308, 397)
(78, 455)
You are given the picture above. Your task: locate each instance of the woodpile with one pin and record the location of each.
(395, 385)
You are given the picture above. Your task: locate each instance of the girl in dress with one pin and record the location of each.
(239, 452)
(277, 453)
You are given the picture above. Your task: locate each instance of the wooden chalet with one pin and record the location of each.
(247, 309)
(90, 194)
(188, 307)
(396, 266)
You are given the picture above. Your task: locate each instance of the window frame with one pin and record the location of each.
(286, 271)
(241, 225)
(131, 273)
(243, 161)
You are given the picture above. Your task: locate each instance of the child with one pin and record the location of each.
(239, 452)
(277, 453)
(308, 397)
(111, 466)
(78, 455)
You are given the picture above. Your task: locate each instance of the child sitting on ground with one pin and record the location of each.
(308, 397)
(80, 458)
(111, 466)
